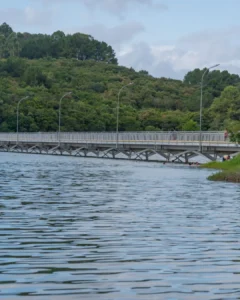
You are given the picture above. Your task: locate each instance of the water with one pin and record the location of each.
(74, 228)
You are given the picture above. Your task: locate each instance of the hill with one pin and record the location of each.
(95, 80)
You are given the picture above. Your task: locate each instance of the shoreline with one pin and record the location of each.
(228, 171)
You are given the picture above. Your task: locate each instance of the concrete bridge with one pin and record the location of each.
(162, 146)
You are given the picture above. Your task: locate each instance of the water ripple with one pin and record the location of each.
(102, 229)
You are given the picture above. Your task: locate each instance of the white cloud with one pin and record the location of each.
(158, 61)
(115, 36)
(117, 7)
(196, 50)
(27, 16)
(30, 14)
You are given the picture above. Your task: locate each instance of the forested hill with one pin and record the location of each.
(80, 46)
(149, 104)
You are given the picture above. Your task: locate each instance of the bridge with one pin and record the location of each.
(163, 146)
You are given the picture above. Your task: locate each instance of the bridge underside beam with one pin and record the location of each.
(169, 153)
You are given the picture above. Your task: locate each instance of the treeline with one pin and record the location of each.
(149, 104)
(34, 46)
(44, 67)
(214, 83)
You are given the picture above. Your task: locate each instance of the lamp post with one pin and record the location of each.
(201, 101)
(59, 116)
(117, 133)
(18, 112)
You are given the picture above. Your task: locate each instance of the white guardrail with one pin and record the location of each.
(208, 137)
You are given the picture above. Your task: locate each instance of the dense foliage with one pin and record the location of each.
(95, 80)
(34, 46)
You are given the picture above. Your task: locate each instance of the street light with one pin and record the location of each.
(201, 101)
(18, 112)
(118, 110)
(59, 116)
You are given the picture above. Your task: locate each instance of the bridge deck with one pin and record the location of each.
(169, 146)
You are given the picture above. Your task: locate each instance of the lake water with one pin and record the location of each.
(75, 228)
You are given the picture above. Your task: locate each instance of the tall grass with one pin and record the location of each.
(225, 165)
(230, 170)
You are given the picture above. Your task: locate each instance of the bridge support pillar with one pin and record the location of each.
(114, 153)
(146, 155)
(129, 154)
(97, 152)
(168, 157)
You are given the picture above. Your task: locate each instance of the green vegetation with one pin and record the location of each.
(45, 67)
(230, 170)
(34, 46)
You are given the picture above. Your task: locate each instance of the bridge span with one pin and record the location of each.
(163, 146)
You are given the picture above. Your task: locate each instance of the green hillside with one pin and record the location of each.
(94, 78)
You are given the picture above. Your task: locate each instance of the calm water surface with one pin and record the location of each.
(74, 228)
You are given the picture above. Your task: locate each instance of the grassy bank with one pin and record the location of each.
(229, 170)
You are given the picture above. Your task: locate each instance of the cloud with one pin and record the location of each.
(196, 50)
(116, 35)
(119, 6)
(156, 60)
(206, 48)
(25, 17)
(116, 7)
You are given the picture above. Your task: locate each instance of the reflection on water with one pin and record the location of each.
(74, 228)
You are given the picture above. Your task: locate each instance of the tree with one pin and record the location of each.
(190, 125)
(12, 45)
(226, 108)
(15, 66)
(6, 30)
(47, 66)
(2, 45)
(214, 83)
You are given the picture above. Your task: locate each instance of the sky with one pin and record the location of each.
(167, 38)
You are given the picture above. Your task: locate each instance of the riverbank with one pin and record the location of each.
(229, 170)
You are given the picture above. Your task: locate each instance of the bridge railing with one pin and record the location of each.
(174, 137)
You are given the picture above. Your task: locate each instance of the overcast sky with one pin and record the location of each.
(165, 37)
